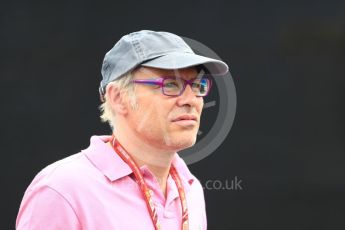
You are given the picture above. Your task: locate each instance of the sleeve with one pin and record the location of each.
(46, 208)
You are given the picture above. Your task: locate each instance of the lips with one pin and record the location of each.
(185, 117)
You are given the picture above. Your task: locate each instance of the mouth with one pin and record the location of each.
(185, 117)
(185, 120)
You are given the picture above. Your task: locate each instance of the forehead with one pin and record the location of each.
(148, 72)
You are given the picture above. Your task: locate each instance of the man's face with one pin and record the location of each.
(165, 122)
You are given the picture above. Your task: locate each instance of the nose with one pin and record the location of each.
(188, 98)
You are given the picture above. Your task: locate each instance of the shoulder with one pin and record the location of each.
(64, 174)
(50, 192)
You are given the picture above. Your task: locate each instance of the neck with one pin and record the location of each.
(157, 160)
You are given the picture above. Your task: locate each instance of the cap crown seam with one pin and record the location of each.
(138, 50)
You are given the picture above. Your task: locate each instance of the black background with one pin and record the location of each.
(287, 62)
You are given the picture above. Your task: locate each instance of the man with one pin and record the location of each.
(152, 92)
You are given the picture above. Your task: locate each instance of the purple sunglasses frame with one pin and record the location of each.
(159, 81)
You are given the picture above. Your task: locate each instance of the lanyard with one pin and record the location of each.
(147, 193)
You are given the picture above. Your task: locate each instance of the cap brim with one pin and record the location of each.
(177, 60)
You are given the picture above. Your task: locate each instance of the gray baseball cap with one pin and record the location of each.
(161, 50)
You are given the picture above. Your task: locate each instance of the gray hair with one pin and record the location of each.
(126, 89)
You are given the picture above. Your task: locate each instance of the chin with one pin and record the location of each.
(181, 142)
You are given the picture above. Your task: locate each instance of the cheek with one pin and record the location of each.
(200, 105)
(160, 113)
(151, 114)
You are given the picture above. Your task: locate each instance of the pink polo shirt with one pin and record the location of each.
(95, 189)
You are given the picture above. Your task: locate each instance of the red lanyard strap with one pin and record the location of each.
(182, 195)
(118, 148)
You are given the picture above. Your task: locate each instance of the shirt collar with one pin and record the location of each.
(102, 156)
(182, 169)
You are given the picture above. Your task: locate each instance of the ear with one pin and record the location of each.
(116, 100)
